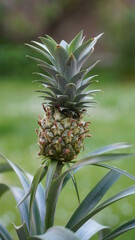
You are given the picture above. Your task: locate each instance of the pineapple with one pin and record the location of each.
(62, 130)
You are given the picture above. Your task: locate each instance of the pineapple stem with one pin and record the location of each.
(58, 170)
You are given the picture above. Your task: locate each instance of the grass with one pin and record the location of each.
(112, 121)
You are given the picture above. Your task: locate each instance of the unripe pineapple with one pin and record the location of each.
(62, 129)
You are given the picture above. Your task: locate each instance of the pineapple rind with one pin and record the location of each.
(61, 137)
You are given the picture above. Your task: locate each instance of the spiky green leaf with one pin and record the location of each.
(89, 229)
(61, 56)
(4, 234)
(93, 198)
(120, 230)
(76, 42)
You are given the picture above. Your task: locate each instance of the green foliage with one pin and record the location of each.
(37, 212)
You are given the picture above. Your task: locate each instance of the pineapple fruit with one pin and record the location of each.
(62, 130)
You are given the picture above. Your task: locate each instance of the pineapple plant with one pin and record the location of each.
(60, 137)
(66, 95)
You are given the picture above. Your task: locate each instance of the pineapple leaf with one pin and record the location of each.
(53, 99)
(92, 199)
(120, 230)
(42, 46)
(64, 44)
(89, 79)
(108, 148)
(49, 70)
(49, 44)
(115, 169)
(21, 175)
(70, 90)
(80, 89)
(46, 77)
(85, 47)
(46, 92)
(47, 57)
(85, 56)
(4, 234)
(19, 193)
(76, 42)
(100, 158)
(39, 175)
(57, 233)
(52, 199)
(74, 182)
(86, 50)
(61, 57)
(44, 84)
(61, 81)
(22, 231)
(55, 90)
(93, 91)
(50, 174)
(51, 39)
(79, 97)
(90, 68)
(89, 229)
(125, 193)
(56, 185)
(77, 79)
(38, 60)
(70, 67)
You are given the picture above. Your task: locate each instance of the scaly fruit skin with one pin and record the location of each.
(61, 137)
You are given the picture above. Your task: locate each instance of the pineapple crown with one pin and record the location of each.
(64, 80)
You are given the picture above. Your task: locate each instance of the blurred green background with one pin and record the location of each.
(113, 120)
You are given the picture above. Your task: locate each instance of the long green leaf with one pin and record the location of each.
(36, 220)
(21, 175)
(100, 158)
(70, 67)
(56, 186)
(18, 193)
(78, 78)
(52, 199)
(22, 232)
(76, 42)
(61, 81)
(36, 180)
(61, 57)
(50, 45)
(89, 229)
(74, 182)
(57, 233)
(120, 230)
(93, 198)
(49, 176)
(108, 148)
(38, 212)
(4, 234)
(70, 90)
(38, 60)
(51, 71)
(123, 172)
(125, 193)
(47, 57)
(46, 77)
